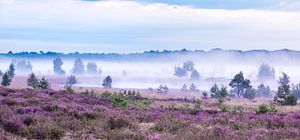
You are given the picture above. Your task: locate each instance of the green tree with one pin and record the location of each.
(223, 92)
(11, 71)
(33, 81)
(284, 95)
(44, 84)
(215, 91)
(240, 84)
(6, 79)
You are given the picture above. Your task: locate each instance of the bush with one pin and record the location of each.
(204, 95)
(12, 126)
(113, 123)
(224, 109)
(265, 108)
(119, 101)
(106, 94)
(56, 133)
(198, 104)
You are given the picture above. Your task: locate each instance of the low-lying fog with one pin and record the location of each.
(145, 74)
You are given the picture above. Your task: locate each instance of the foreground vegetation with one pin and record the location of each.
(48, 114)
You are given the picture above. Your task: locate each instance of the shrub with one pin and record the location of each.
(198, 104)
(56, 133)
(106, 94)
(224, 109)
(119, 101)
(204, 95)
(113, 123)
(265, 108)
(12, 126)
(69, 89)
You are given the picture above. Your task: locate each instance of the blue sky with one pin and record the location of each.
(140, 25)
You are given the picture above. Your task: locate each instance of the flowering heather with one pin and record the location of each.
(48, 114)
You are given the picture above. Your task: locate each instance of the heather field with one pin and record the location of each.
(50, 114)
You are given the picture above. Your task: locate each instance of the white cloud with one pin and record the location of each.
(157, 24)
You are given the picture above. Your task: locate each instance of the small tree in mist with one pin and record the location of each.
(215, 91)
(71, 80)
(57, 63)
(107, 82)
(193, 88)
(263, 91)
(204, 95)
(24, 67)
(11, 70)
(188, 66)
(44, 84)
(284, 96)
(250, 93)
(184, 88)
(266, 72)
(180, 72)
(187, 71)
(223, 92)
(33, 81)
(239, 84)
(78, 67)
(296, 90)
(163, 89)
(195, 75)
(92, 68)
(100, 71)
(1, 74)
(6, 79)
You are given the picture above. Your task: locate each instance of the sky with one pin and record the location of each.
(122, 26)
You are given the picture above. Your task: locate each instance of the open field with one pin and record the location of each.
(50, 114)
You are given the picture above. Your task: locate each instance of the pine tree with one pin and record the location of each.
(11, 71)
(32, 81)
(44, 84)
(284, 95)
(6, 79)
